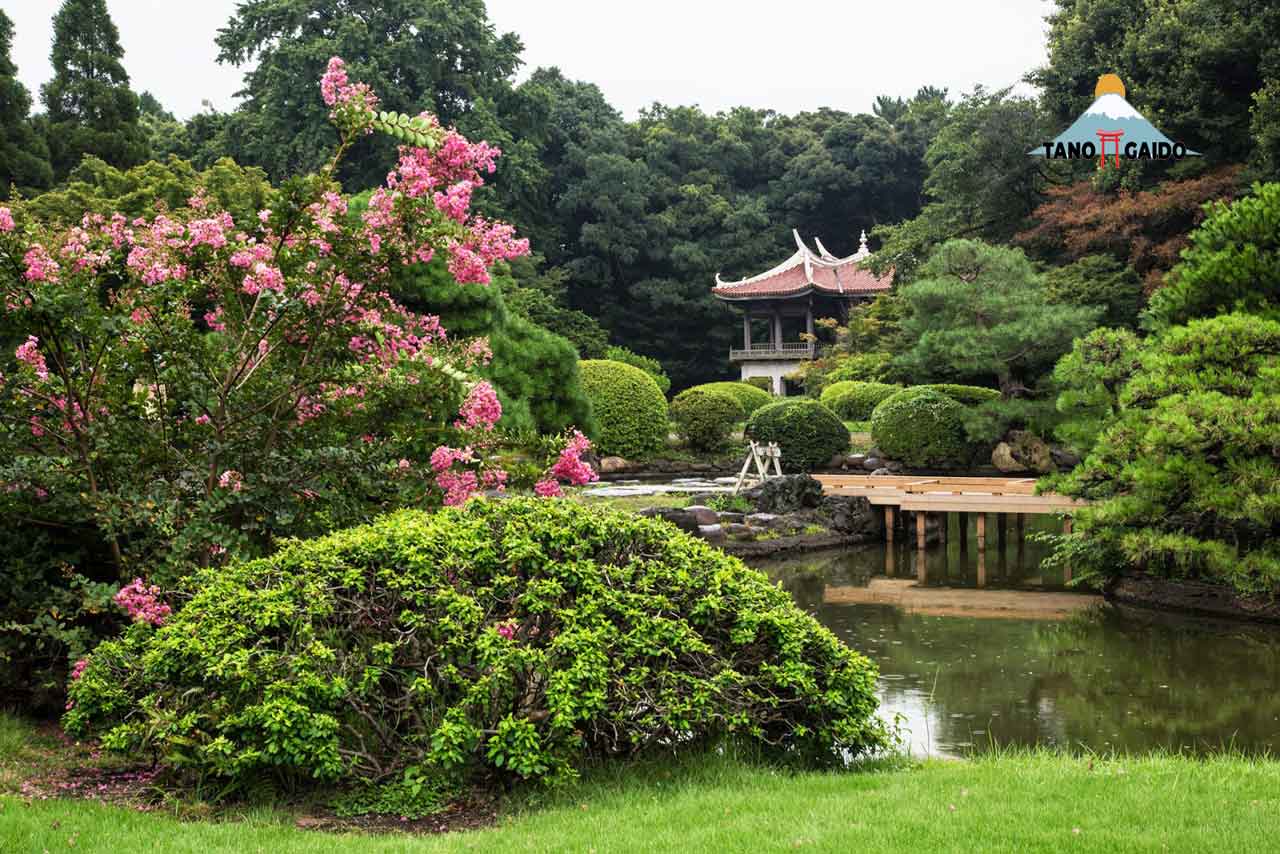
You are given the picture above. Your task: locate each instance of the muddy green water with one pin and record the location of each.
(1105, 679)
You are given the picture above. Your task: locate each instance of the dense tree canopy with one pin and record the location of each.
(24, 158)
(442, 57)
(89, 105)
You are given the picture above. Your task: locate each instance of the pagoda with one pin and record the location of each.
(779, 305)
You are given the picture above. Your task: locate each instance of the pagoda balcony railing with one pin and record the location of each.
(770, 350)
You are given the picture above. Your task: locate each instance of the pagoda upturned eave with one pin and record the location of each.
(807, 272)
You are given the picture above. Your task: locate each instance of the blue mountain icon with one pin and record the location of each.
(1111, 113)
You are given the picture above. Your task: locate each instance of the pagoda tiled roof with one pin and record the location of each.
(807, 272)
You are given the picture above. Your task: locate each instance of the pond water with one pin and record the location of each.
(1090, 678)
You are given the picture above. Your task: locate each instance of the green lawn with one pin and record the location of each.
(1018, 802)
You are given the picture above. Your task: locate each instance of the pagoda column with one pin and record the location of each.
(777, 329)
(746, 329)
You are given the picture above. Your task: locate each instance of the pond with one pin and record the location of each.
(1021, 662)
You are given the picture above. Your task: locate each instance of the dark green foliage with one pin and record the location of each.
(966, 394)
(652, 367)
(629, 409)
(808, 433)
(513, 639)
(1184, 476)
(765, 384)
(534, 371)
(538, 297)
(1090, 378)
(24, 156)
(442, 57)
(88, 103)
(1098, 280)
(921, 427)
(748, 396)
(704, 417)
(97, 187)
(1233, 263)
(980, 312)
(854, 401)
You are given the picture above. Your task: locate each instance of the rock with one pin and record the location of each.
(852, 514)
(760, 520)
(881, 472)
(855, 460)
(703, 514)
(676, 516)
(836, 461)
(726, 516)
(1003, 459)
(1063, 458)
(872, 463)
(736, 529)
(613, 465)
(787, 493)
(702, 467)
(711, 533)
(894, 466)
(726, 481)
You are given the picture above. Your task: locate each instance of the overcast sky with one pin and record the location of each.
(789, 55)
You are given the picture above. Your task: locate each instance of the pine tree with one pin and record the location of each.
(91, 109)
(24, 159)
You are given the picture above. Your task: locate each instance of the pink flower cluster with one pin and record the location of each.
(142, 603)
(28, 352)
(78, 670)
(507, 630)
(457, 486)
(6, 220)
(569, 467)
(354, 99)
(232, 480)
(40, 265)
(481, 409)
(486, 244)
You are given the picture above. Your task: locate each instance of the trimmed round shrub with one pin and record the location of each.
(854, 401)
(504, 639)
(629, 409)
(747, 395)
(921, 427)
(705, 417)
(808, 433)
(970, 395)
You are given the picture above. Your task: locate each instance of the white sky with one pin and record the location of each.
(790, 55)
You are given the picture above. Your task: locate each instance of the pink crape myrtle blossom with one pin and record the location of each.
(481, 409)
(570, 467)
(78, 670)
(40, 266)
(548, 487)
(142, 603)
(6, 220)
(28, 353)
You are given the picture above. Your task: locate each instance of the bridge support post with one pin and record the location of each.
(963, 520)
(922, 519)
(888, 524)
(1066, 529)
(982, 533)
(1002, 527)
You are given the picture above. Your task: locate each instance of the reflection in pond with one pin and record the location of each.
(1100, 679)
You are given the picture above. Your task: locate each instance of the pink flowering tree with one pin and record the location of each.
(188, 387)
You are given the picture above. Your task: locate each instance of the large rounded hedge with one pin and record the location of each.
(808, 433)
(704, 417)
(509, 639)
(921, 427)
(854, 401)
(748, 396)
(970, 395)
(629, 409)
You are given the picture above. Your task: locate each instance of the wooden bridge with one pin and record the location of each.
(921, 496)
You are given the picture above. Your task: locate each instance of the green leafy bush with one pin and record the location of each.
(921, 426)
(765, 384)
(747, 395)
(1090, 378)
(1183, 477)
(854, 401)
(809, 433)
(650, 366)
(1098, 280)
(510, 639)
(969, 395)
(629, 408)
(704, 417)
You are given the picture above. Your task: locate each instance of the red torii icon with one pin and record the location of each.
(1105, 136)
